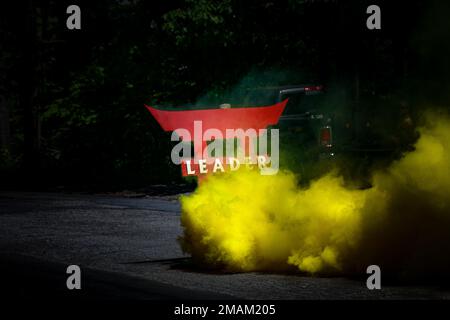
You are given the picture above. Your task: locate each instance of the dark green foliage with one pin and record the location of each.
(76, 98)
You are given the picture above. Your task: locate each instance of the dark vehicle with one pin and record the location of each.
(316, 132)
(306, 127)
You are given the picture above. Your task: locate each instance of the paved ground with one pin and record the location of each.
(128, 248)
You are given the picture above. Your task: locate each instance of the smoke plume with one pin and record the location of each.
(242, 221)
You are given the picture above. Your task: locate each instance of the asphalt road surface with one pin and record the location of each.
(127, 248)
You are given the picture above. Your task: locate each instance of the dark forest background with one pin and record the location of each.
(72, 101)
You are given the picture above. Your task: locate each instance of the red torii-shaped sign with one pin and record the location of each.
(218, 118)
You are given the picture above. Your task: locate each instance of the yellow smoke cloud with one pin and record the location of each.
(244, 221)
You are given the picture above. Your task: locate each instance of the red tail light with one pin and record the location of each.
(326, 137)
(314, 88)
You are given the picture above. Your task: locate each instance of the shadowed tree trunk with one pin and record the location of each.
(27, 91)
(4, 112)
(4, 124)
